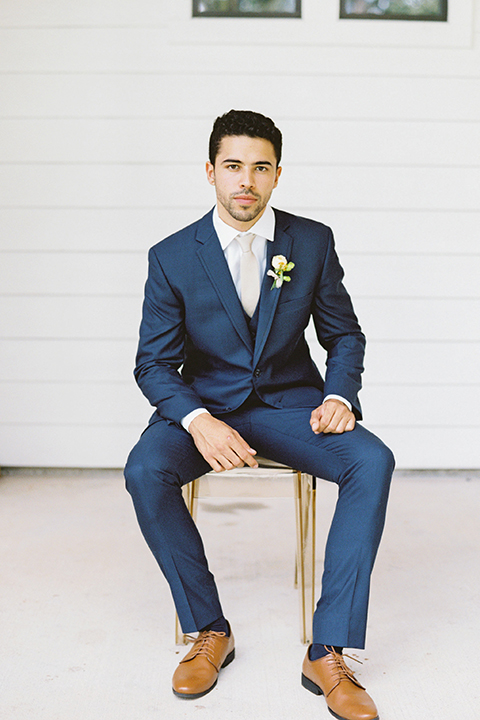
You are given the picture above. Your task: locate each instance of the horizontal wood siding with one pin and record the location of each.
(105, 111)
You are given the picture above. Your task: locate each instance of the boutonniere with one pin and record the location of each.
(280, 266)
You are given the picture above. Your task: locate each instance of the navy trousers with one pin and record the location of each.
(165, 459)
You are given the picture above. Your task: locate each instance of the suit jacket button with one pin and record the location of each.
(257, 373)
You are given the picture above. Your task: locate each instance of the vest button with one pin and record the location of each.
(257, 373)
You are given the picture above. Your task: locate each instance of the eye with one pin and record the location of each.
(232, 167)
(262, 168)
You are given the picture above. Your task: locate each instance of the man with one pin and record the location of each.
(223, 358)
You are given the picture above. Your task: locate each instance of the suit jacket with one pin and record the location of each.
(196, 349)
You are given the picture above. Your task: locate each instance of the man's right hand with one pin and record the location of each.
(221, 446)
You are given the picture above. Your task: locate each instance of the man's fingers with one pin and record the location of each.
(228, 461)
(332, 417)
(215, 465)
(325, 422)
(228, 450)
(250, 460)
(350, 424)
(317, 420)
(244, 454)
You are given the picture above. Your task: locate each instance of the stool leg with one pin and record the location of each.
(305, 556)
(190, 495)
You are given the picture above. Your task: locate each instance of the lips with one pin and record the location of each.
(245, 199)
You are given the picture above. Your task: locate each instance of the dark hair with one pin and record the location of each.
(244, 122)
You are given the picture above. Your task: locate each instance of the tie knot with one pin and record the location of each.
(245, 241)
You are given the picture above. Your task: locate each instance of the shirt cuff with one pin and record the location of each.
(339, 397)
(185, 422)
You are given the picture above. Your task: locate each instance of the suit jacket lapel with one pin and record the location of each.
(269, 298)
(213, 260)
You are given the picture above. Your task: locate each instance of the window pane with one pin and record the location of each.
(270, 6)
(250, 8)
(222, 6)
(396, 9)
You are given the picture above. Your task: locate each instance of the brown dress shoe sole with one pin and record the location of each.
(195, 696)
(316, 690)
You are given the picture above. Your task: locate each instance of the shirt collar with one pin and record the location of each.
(264, 227)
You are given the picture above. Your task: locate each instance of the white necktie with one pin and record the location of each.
(249, 274)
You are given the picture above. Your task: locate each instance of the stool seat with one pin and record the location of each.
(270, 479)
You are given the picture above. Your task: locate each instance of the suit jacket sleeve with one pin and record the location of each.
(339, 332)
(161, 348)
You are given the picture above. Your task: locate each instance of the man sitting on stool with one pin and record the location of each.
(228, 300)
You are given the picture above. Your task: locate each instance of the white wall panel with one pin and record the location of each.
(171, 96)
(101, 140)
(105, 111)
(422, 363)
(380, 142)
(32, 445)
(114, 318)
(172, 185)
(136, 229)
(74, 403)
(95, 49)
(421, 406)
(64, 361)
(95, 229)
(419, 319)
(153, 140)
(48, 273)
(426, 448)
(58, 14)
(444, 231)
(407, 276)
(392, 187)
(102, 185)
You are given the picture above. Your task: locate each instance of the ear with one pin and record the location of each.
(210, 172)
(277, 177)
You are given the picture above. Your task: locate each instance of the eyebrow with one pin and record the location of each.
(239, 162)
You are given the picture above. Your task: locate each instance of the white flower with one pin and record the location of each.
(279, 262)
(280, 266)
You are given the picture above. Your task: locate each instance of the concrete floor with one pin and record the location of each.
(87, 620)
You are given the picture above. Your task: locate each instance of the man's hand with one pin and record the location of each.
(221, 446)
(332, 417)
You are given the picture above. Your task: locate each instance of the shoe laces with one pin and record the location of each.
(205, 645)
(341, 670)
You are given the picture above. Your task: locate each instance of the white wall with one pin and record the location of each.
(105, 111)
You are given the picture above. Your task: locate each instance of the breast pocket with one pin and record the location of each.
(295, 304)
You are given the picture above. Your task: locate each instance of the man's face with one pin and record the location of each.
(244, 176)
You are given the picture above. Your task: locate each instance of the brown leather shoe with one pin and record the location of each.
(197, 673)
(346, 698)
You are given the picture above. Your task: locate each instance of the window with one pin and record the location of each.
(246, 8)
(394, 9)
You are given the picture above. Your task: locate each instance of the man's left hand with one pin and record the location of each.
(332, 417)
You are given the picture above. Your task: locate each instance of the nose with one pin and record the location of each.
(247, 180)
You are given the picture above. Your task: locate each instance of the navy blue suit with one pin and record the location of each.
(198, 349)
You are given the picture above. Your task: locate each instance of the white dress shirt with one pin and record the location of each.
(264, 230)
